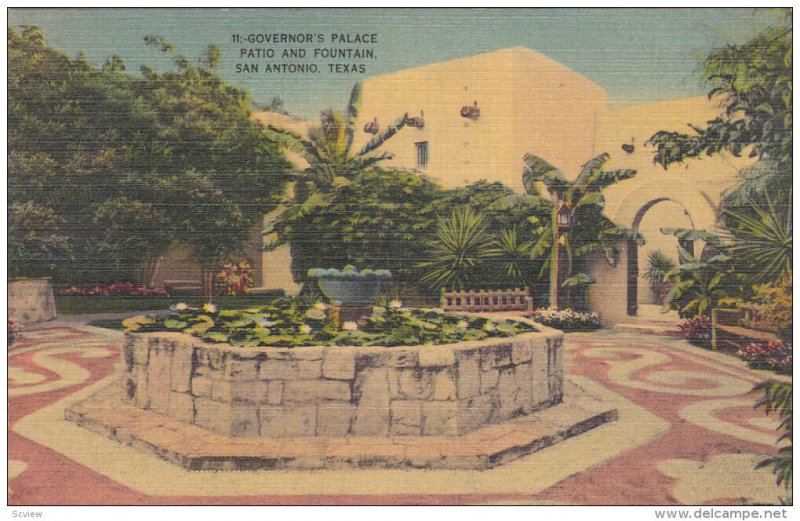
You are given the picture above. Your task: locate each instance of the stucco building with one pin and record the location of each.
(480, 114)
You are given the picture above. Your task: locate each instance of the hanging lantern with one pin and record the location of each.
(564, 218)
(416, 122)
(472, 112)
(629, 147)
(372, 127)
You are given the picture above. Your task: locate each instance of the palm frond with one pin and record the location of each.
(383, 136)
(352, 114)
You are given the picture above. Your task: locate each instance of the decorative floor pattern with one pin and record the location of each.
(686, 420)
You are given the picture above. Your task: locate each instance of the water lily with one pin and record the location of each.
(181, 306)
(321, 306)
(489, 327)
(305, 329)
(463, 325)
(265, 322)
(209, 308)
(350, 326)
(396, 304)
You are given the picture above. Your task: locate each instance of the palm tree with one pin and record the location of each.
(331, 161)
(591, 231)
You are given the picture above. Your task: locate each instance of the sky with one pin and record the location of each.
(636, 55)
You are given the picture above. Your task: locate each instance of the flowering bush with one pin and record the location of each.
(776, 299)
(567, 319)
(235, 279)
(115, 289)
(697, 330)
(285, 323)
(13, 331)
(773, 355)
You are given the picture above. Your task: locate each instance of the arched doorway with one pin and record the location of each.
(649, 221)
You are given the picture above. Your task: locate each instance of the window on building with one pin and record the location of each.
(422, 153)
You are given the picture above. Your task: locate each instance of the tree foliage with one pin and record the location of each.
(591, 230)
(753, 83)
(124, 164)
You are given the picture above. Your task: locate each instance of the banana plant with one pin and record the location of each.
(705, 282)
(591, 230)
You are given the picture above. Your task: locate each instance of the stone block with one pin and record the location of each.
(440, 418)
(241, 370)
(339, 364)
(444, 384)
(469, 383)
(287, 421)
(335, 418)
(399, 357)
(290, 369)
(274, 392)
(181, 407)
(252, 392)
(181, 371)
(310, 353)
(244, 420)
(524, 382)
(158, 381)
(436, 356)
(371, 394)
(474, 413)
(201, 386)
(140, 352)
(514, 391)
(406, 418)
(377, 358)
(415, 384)
(489, 380)
(316, 390)
(521, 352)
(214, 416)
(140, 378)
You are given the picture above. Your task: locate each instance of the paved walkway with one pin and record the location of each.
(687, 434)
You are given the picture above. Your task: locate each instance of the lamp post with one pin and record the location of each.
(562, 222)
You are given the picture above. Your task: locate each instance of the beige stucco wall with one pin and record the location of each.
(528, 103)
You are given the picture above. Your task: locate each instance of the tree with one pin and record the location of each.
(332, 164)
(591, 230)
(753, 82)
(377, 222)
(126, 164)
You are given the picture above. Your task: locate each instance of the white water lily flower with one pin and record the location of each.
(350, 326)
(305, 329)
(321, 306)
(489, 327)
(396, 304)
(209, 308)
(263, 322)
(181, 306)
(462, 324)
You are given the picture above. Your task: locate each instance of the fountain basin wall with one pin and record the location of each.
(334, 391)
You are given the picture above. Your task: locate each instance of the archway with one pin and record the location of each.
(649, 222)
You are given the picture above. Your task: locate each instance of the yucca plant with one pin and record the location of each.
(658, 265)
(777, 399)
(762, 241)
(512, 254)
(457, 254)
